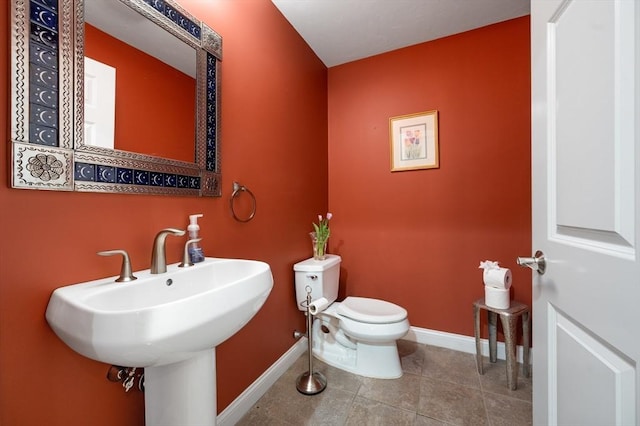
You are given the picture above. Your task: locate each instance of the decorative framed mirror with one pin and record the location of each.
(114, 96)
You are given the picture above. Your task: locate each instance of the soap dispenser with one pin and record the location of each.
(195, 251)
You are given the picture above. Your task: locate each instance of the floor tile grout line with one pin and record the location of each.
(501, 395)
(351, 405)
(484, 385)
(484, 400)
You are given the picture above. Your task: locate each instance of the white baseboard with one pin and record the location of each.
(243, 403)
(457, 342)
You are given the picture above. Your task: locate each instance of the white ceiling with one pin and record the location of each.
(341, 31)
(124, 23)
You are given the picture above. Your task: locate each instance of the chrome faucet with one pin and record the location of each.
(158, 255)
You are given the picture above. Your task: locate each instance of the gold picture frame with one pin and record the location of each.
(414, 141)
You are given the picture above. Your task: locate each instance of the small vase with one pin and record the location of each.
(319, 247)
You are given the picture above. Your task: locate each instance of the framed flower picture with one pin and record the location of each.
(414, 141)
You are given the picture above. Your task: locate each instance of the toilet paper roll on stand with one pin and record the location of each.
(498, 298)
(497, 278)
(318, 305)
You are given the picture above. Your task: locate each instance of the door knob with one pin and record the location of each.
(537, 262)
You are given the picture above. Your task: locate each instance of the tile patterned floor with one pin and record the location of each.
(439, 387)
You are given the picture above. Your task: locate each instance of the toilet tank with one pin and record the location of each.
(320, 275)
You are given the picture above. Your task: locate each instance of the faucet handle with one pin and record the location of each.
(186, 262)
(125, 271)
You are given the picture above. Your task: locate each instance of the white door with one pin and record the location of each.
(586, 211)
(99, 103)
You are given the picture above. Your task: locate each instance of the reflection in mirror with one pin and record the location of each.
(99, 103)
(150, 72)
(48, 113)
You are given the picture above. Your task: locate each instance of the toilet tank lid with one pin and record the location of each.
(312, 265)
(372, 311)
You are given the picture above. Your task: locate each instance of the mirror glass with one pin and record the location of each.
(160, 103)
(140, 84)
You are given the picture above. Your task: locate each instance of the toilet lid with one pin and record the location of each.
(372, 311)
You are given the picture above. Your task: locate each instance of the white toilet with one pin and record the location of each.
(356, 335)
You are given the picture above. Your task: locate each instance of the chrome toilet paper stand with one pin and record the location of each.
(310, 382)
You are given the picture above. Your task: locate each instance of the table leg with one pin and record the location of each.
(493, 336)
(525, 342)
(509, 323)
(476, 327)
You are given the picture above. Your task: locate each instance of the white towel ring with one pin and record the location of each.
(237, 189)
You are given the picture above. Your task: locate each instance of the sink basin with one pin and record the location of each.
(160, 319)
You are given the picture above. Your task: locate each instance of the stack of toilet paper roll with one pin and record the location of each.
(497, 282)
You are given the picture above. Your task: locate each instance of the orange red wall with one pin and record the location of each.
(416, 238)
(151, 117)
(274, 107)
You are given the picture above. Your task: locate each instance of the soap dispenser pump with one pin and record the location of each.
(195, 251)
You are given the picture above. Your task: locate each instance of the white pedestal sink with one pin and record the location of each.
(180, 393)
(169, 324)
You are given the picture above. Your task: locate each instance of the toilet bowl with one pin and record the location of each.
(358, 334)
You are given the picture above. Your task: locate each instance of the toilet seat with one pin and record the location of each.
(371, 311)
